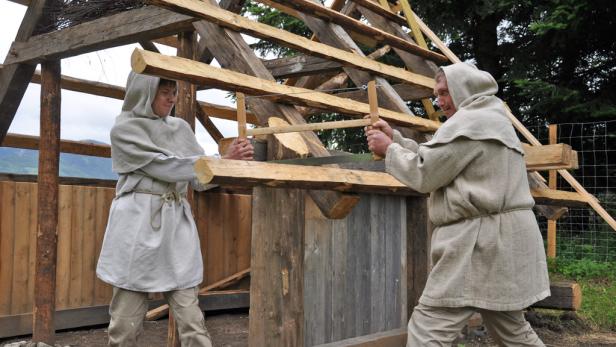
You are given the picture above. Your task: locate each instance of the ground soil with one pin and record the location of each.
(230, 329)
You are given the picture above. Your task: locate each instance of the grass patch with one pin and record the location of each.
(598, 283)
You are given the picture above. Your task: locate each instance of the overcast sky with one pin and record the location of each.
(86, 116)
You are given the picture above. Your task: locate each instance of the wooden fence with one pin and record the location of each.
(223, 221)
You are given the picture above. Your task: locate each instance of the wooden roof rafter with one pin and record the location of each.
(354, 25)
(241, 24)
(203, 74)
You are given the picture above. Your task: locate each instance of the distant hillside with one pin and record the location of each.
(25, 161)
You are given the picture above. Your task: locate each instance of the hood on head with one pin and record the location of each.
(466, 83)
(140, 93)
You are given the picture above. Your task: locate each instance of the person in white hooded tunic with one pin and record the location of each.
(486, 252)
(151, 242)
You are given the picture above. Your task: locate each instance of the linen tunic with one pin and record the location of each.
(486, 248)
(151, 242)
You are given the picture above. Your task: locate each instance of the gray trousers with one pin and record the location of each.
(128, 309)
(439, 326)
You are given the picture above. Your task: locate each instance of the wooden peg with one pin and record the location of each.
(241, 115)
(374, 109)
(373, 100)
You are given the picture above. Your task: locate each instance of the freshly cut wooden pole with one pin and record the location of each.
(241, 115)
(211, 170)
(250, 173)
(236, 22)
(309, 127)
(202, 74)
(374, 109)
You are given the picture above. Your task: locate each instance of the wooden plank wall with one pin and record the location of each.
(355, 272)
(83, 213)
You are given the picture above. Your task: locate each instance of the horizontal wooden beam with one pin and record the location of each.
(390, 338)
(203, 74)
(142, 24)
(249, 173)
(352, 24)
(66, 146)
(406, 91)
(238, 23)
(550, 157)
(253, 173)
(300, 65)
(117, 92)
(86, 86)
(565, 295)
(309, 127)
(552, 197)
(63, 180)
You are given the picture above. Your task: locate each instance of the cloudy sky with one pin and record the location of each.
(85, 116)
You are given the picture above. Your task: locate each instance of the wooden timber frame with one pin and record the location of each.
(334, 50)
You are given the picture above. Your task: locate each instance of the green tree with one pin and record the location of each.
(554, 59)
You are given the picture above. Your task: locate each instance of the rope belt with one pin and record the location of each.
(483, 215)
(155, 212)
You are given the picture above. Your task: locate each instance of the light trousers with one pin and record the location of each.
(439, 326)
(128, 309)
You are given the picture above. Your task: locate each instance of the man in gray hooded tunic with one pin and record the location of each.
(487, 252)
(151, 242)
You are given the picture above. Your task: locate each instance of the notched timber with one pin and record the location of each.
(202, 74)
(252, 173)
(550, 157)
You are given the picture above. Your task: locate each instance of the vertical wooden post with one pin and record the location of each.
(551, 253)
(241, 115)
(185, 108)
(47, 237)
(373, 101)
(374, 108)
(418, 233)
(186, 105)
(277, 268)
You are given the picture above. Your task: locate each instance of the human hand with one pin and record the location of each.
(382, 126)
(239, 149)
(378, 141)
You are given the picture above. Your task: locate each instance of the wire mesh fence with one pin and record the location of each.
(582, 233)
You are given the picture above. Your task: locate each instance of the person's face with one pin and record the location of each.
(445, 102)
(166, 96)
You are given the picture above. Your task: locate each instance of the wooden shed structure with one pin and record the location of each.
(336, 256)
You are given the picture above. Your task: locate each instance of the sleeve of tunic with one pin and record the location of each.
(428, 168)
(175, 169)
(404, 142)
